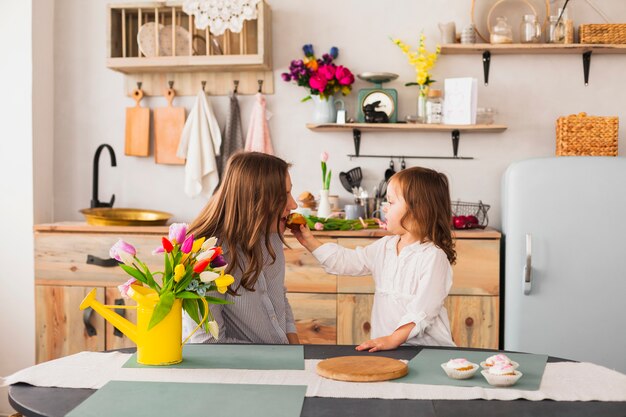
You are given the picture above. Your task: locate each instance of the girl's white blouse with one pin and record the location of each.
(410, 287)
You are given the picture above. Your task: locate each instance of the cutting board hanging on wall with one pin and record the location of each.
(168, 126)
(137, 127)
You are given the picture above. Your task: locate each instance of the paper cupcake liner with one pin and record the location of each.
(456, 374)
(502, 380)
(483, 365)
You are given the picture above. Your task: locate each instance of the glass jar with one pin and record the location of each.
(556, 32)
(434, 107)
(501, 32)
(530, 29)
(568, 24)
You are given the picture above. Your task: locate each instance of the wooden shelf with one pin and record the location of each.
(403, 127)
(530, 49)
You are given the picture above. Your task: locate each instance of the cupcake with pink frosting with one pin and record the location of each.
(499, 358)
(501, 374)
(459, 368)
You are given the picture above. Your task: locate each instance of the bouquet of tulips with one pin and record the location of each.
(193, 268)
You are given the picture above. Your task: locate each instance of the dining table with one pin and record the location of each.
(33, 401)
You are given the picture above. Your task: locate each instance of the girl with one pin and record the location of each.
(411, 268)
(248, 213)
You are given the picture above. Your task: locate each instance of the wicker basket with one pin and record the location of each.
(579, 135)
(614, 33)
(478, 210)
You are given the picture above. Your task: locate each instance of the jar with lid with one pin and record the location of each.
(434, 107)
(530, 29)
(556, 31)
(501, 32)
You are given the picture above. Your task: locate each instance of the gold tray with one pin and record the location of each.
(106, 216)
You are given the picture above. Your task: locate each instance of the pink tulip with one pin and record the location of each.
(344, 76)
(178, 232)
(125, 287)
(187, 244)
(318, 82)
(324, 156)
(122, 249)
(319, 226)
(327, 71)
(158, 250)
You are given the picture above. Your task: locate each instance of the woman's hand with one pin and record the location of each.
(306, 238)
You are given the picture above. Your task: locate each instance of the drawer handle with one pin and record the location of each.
(121, 312)
(91, 331)
(469, 322)
(105, 263)
(366, 326)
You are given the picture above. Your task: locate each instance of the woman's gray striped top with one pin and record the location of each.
(262, 316)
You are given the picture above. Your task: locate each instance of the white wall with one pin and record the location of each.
(17, 349)
(529, 92)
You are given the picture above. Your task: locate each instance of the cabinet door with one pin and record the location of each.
(474, 320)
(114, 338)
(302, 271)
(59, 323)
(477, 268)
(353, 318)
(315, 316)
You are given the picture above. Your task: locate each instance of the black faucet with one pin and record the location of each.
(94, 196)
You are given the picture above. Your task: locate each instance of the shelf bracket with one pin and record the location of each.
(586, 65)
(356, 135)
(456, 137)
(486, 62)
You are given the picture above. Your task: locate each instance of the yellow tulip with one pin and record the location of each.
(223, 282)
(179, 272)
(197, 244)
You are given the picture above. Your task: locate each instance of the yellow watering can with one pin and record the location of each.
(160, 345)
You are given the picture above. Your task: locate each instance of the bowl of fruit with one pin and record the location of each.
(469, 215)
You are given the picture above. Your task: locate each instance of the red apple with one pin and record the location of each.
(472, 222)
(459, 222)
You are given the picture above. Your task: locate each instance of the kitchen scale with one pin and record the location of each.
(388, 97)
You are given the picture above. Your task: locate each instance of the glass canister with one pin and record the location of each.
(434, 107)
(556, 30)
(501, 32)
(530, 29)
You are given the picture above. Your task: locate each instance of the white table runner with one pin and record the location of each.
(562, 381)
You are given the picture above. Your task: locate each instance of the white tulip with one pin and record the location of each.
(209, 243)
(208, 276)
(214, 329)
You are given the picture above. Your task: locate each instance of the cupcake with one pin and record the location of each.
(499, 358)
(501, 374)
(459, 368)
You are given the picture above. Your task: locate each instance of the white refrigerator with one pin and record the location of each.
(564, 226)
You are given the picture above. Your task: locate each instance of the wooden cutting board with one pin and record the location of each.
(362, 368)
(137, 128)
(168, 126)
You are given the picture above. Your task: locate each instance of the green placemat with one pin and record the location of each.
(235, 357)
(150, 399)
(425, 368)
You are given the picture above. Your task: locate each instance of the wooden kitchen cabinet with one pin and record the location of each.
(328, 309)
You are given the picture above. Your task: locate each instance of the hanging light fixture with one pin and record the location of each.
(220, 15)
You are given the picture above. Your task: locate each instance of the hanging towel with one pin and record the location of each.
(258, 138)
(232, 139)
(200, 142)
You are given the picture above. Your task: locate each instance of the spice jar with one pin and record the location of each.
(434, 107)
(530, 29)
(556, 31)
(501, 32)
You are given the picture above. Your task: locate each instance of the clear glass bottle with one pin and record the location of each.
(501, 32)
(568, 24)
(556, 32)
(530, 29)
(434, 107)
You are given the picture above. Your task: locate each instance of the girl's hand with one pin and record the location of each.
(306, 238)
(381, 343)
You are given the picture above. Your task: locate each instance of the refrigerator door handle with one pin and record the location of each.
(527, 284)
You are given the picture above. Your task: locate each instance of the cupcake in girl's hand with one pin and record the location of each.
(459, 368)
(501, 374)
(499, 358)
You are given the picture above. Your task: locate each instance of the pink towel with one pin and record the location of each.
(258, 138)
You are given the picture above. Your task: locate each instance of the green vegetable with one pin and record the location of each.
(332, 223)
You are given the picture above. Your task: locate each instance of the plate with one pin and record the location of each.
(166, 41)
(377, 77)
(146, 38)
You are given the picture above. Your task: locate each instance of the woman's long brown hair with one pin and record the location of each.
(244, 210)
(429, 213)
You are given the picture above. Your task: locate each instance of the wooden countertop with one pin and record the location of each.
(82, 227)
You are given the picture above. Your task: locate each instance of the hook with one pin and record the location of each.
(139, 85)
(260, 86)
(171, 84)
(236, 83)
(203, 85)
(402, 163)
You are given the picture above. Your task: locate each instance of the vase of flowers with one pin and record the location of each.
(193, 269)
(423, 61)
(323, 208)
(323, 79)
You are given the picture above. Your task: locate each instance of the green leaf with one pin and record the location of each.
(215, 300)
(187, 295)
(191, 307)
(135, 273)
(168, 267)
(307, 98)
(162, 309)
(184, 282)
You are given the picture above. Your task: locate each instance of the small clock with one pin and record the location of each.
(388, 97)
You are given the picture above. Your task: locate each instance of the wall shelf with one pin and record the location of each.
(487, 49)
(357, 128)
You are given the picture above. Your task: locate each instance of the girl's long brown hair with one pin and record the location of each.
(427, 196)
(244, 210)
